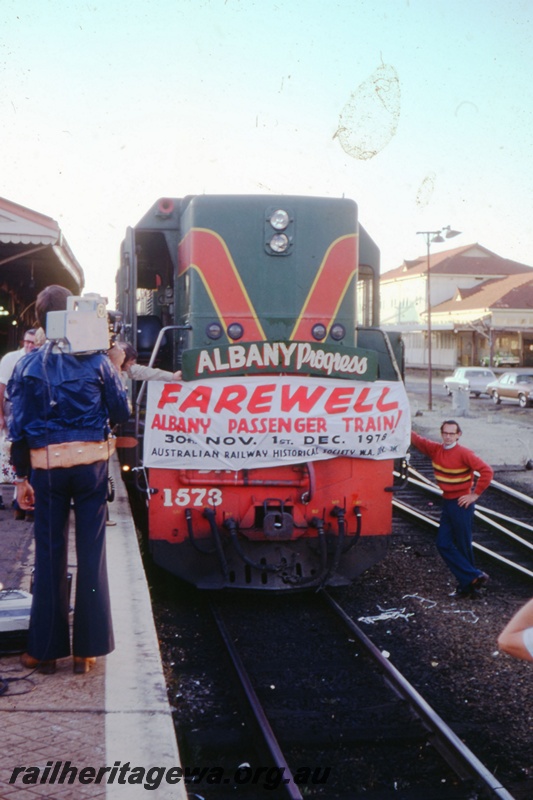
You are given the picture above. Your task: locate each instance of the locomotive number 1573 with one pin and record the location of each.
(271, 464)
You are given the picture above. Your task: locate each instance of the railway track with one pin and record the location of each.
(503, 532)
(302, 668)
(340, 723)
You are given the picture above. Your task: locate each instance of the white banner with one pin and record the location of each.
(264, 421)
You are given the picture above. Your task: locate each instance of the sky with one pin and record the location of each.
(419, 110)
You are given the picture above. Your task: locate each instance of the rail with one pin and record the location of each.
(454, 751)
(414, 512)
(289, 787)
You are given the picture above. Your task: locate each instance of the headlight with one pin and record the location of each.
(279, 219)
(279, 243)
(278, 231)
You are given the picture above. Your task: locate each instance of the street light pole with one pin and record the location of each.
(432, 236)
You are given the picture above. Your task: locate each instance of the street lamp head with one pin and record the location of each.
(450, 233)
(438, 239)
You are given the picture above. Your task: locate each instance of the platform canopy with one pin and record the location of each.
(34, 251)
(33, 254)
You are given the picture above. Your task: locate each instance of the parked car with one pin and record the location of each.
(513, 386)
(501, 360)
(471, 379)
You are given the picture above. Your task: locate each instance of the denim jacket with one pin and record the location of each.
(58, 397)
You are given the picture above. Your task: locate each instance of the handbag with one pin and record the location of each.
(7, 471)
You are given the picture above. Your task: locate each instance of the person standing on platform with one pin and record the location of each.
(7, 365)
(63, 406)
(454, 468)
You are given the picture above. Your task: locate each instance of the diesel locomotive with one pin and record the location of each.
(270, 464)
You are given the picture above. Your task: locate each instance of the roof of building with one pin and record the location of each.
(471, 259)
(513, 292)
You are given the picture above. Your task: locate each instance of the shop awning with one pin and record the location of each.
(34, 251)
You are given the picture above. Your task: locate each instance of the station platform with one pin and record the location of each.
(75, 726)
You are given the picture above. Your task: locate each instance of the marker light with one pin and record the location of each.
(279, 243)
(319, 331)
(165, 207)
(279, 219)
(214, 330)
(235, 330)
(337, 332)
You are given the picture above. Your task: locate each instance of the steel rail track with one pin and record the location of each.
(518, 523)
(458, 756)
(454, 752)
(289, 788)
(524, 498)
(407, 509)
(482, 513)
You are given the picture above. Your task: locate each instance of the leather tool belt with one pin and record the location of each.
(71, 454)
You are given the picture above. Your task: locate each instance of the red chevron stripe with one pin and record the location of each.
(206, 252)
(329, 287)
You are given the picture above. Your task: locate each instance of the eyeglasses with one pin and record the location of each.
(28, 341)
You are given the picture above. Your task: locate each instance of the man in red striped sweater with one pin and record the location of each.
(454, 468)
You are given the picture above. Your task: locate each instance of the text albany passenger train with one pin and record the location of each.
(270, 465)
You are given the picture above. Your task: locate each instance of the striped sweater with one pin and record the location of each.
(454, 468)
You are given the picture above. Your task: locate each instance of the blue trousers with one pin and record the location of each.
(48, 635)
(454, 541)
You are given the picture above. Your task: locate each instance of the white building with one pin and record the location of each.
(481, 306)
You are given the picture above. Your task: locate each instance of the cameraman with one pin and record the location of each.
(63, 406)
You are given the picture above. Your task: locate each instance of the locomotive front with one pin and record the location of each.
(270, 465)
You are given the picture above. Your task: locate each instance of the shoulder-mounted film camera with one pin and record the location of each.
(85, 327)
